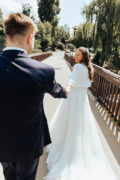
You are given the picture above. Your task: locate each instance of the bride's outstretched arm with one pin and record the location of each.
(73, 78)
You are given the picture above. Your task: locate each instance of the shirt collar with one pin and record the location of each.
(14, 48)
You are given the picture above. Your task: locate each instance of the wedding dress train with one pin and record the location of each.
(76, 152)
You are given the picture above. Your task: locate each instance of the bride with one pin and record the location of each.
(76, 152)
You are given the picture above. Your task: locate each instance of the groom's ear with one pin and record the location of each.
(29, 39)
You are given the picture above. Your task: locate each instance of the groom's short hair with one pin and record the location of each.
(18, 23)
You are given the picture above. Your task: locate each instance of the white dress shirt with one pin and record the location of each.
(14, 48)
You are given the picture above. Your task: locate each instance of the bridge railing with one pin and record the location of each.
(106, 88)
(40, 56)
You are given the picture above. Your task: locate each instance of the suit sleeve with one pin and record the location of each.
(54, 88)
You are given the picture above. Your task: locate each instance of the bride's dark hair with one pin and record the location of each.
(86, 61)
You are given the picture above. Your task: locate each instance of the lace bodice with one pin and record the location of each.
(79, 76)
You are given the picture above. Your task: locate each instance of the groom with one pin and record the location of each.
(23, 83)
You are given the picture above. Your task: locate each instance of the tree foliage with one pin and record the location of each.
(2, 34)
(105, 15)
(26, 9)
(48, 11)
(43, 37)
(84, 35)
(62, 33)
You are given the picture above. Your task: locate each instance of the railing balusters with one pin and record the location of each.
(114, 101)
(111, 97)
(117, 108)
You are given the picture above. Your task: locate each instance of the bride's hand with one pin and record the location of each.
(68, 89)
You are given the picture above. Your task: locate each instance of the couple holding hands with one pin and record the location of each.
(75, 152)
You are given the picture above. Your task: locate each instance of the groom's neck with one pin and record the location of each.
(18, 43)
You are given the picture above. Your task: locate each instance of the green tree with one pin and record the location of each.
(43, 37)
(105, 15)
(62, 33)
(60, 46)
(26, 9)
(48, 11)
(2, 34)
(84, 34)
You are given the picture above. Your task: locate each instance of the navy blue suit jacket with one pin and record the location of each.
(23, 125)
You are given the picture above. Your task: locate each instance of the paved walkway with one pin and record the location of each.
(50, 104)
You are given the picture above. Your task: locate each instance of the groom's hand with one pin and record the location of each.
(56, 90)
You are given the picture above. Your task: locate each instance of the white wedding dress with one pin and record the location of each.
(76, 152)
